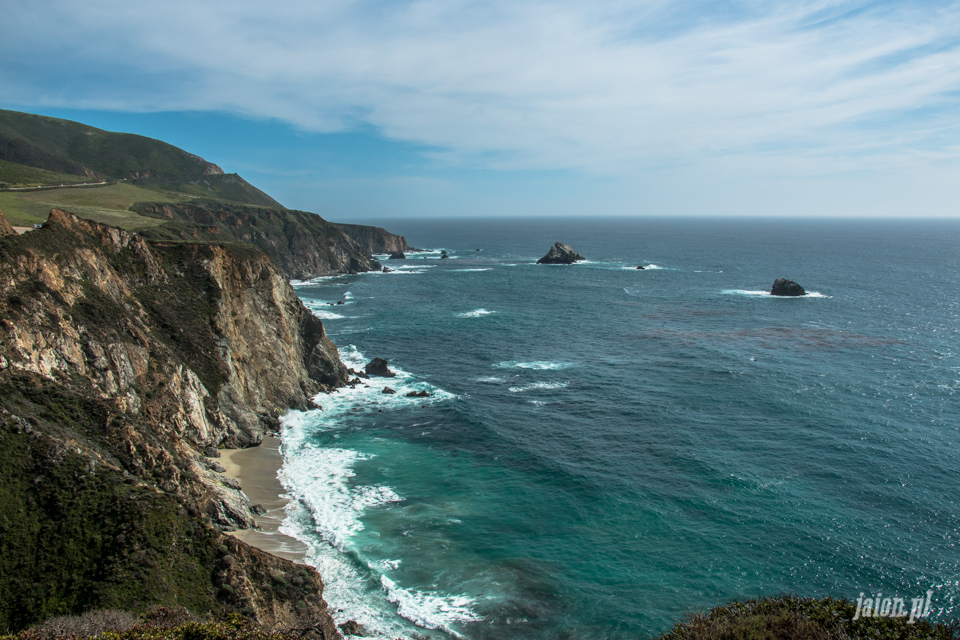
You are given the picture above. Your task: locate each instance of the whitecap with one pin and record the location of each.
(539, 385)
(491, 379)
(537, 365)
(476, 313)
(326, 315)
(465, 270)
(429, 610)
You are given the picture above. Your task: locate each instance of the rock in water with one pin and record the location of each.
(398, 255)
(388, 390)
(418, 394)
(784, 287)
(561, 254)
(640, 267)
(378, 367)
(351, 628)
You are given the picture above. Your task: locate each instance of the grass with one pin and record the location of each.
(108, 204)
(18, 175)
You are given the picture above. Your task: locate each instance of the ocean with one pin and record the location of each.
(605, 449)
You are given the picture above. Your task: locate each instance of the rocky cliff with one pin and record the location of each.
(5, 228)
(122, 362)
(303, 244)
(374, 239)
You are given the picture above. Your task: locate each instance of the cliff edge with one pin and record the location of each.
(123, 362)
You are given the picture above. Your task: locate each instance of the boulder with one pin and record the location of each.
(211, 452)
(640, 267)
(784, 287)
(378, 367)
(561, 254)
(259, 509)
(388, 390)
(387, 270)
(351, 628)
(418, 394)
(398, 255)
(214, 466)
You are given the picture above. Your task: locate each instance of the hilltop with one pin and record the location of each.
(165, 193)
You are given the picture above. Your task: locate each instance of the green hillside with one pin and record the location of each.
(65, 147)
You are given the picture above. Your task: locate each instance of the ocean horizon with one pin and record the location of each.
(605, 449)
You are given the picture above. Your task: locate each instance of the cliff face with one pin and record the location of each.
(121, 363)
(374, 239)
(304, 245)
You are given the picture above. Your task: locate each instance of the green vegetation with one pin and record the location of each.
(76, 534)
(66, 147)
(17, 175)
(161, 623)
(109, 204)
(795, 618)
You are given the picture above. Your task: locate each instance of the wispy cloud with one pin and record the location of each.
(808, 86)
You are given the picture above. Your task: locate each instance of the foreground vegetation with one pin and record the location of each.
(773, 618)
(795, 618)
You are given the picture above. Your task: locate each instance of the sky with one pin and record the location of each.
(357, 109)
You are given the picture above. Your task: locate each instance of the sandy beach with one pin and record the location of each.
(256, 471)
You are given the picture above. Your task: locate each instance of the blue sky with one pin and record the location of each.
(357, 109)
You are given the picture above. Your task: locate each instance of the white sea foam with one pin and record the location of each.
(537, 365)
(748, 292)
(476, 313)
(491, 379)
(539, 385)
(479, 269)
(429, 610)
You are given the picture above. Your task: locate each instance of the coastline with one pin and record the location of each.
(256, 470)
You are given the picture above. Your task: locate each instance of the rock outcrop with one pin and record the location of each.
(6, 229)
(397, 255)
(378, 367)
(561, 254)
(123, 365)
(784, 287)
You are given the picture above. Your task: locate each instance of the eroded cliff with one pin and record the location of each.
(375, 239)
(121, 363)
(303, 244)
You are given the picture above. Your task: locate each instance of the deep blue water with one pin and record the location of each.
(606, 449)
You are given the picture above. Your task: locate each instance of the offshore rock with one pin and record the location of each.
(397, 255)
(388, 390)
(561, 254)
(378, 367)
(784, 287)
(418, 394)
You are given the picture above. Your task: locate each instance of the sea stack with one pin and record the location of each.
(397, 255)
(561, 254)
(784, 287)
(378, 367)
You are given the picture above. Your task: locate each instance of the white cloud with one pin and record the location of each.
(809, 87)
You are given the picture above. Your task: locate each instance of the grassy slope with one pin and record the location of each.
(108, 204)
(14, 174)
(69, 147)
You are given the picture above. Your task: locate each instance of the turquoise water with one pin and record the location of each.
(605, 449)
